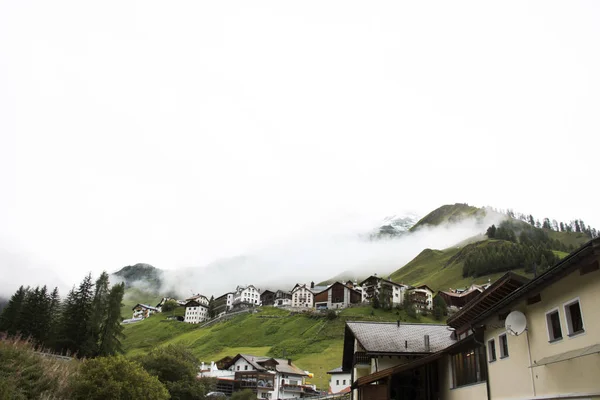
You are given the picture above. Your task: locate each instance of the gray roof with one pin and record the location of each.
(282, 364)
(386, 337)
(338, 370)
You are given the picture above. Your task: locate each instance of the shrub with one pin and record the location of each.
(116, 378)
(331, 315)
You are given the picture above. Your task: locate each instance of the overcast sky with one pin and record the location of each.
(177, 133)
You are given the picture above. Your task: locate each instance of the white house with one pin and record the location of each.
(199, 298)
(248, 295)
(269, 378)
(384, 289)
(195, 312)
(143, 311)
(339, 381)
(421, 297)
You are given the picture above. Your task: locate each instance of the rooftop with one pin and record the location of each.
(386, 337)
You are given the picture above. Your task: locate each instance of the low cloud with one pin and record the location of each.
(321, 254)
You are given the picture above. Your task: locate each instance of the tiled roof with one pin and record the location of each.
(384, 337)
(338, 370)
(282, 364)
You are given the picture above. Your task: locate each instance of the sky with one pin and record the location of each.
(180, 133)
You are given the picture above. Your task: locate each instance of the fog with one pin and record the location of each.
(319, 255)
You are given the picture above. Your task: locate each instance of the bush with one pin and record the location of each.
(331, 315)
(169, 305)
(116, 378)
(244, 395)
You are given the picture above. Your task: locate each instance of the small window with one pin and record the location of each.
(553, 324)
(491, 350)
(245, 368)
(574, 318)
(344, 382)
(238, 367)
(503, 345)
(337, 382)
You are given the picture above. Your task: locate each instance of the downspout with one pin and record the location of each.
(487, 380)
(529, 354)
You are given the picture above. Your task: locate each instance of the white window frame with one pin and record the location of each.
(549, 327)
(501, 348)
(491, 345)
(568, 322)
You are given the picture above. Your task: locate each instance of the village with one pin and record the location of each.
(530, 338)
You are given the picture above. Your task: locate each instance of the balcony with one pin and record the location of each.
(360, 357)
(292, 388)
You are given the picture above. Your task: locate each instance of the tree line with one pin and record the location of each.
(576, 225)
(87, 323)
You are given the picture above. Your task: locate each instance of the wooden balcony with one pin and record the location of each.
(360, 357)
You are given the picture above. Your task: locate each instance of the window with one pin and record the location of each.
(337, 381)
(574, 318)
(553, 324)
(238, 367)
(245, 368)
(469, 367)
(344, 382)
(492, 350)
(503, 345)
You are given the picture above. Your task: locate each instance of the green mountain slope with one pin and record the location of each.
(449, 213)
(313, 342)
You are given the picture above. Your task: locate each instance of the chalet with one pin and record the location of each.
(421, 297)
(267, 298)
(302, 296)
(143, 311)
(246, 296)
(269, 378)
(552, 353)
(339, 382)
(223, 303)
(195, 312)
(386, 290)
(282, 298)
(336, 296)
(199, 298)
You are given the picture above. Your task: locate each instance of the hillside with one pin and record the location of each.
(144, 275)
(313, 342)
(449, 213)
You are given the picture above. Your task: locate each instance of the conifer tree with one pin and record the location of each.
(75, 321)
(10, 314)
(99, 310)
(211, 307)
(111, 328)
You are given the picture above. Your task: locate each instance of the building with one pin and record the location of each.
(269, 378)
(339, 382)
(267, 298)
(143, 311)
(553, 354)
(336, 296)
(223, 303)
(302, 296)
(421, 297)
(371, 348)
(195, 312)
(246, 296)
(199, 298)
(165, 299)
(456, 299)
(282, 298)
(387, 291)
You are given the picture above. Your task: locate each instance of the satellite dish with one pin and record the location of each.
(515, 323)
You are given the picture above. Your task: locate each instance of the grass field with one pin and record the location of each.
(313, 342)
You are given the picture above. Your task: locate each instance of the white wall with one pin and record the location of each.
(195, 315)
(339, 382)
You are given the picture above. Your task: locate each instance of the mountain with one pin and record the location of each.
(140, 275)
(396, 225)
(450, 213)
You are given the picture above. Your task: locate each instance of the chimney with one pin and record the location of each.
(289, 361)
(312, 285)
(426, 338)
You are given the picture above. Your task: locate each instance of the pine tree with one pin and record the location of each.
(562, 227)
(9, 319)
(491, 232)
(54, 320)
(531, 220)
(75, 320)
(546, 224)
(211, 307)
(577, 227)
(112, 330)
(99, 309)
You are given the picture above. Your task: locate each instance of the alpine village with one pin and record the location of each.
(510, 313)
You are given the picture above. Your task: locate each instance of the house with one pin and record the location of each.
(143, 311)
(339, 382)
(336, 296)
(389, 292)
(195, 312)
(199, 298)
(282, 298)
(269, 378)
(421, 297)
(303, 295)
(246, 296)
(267, 298)
(223, 303)
(552, 353)
(165, 299)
